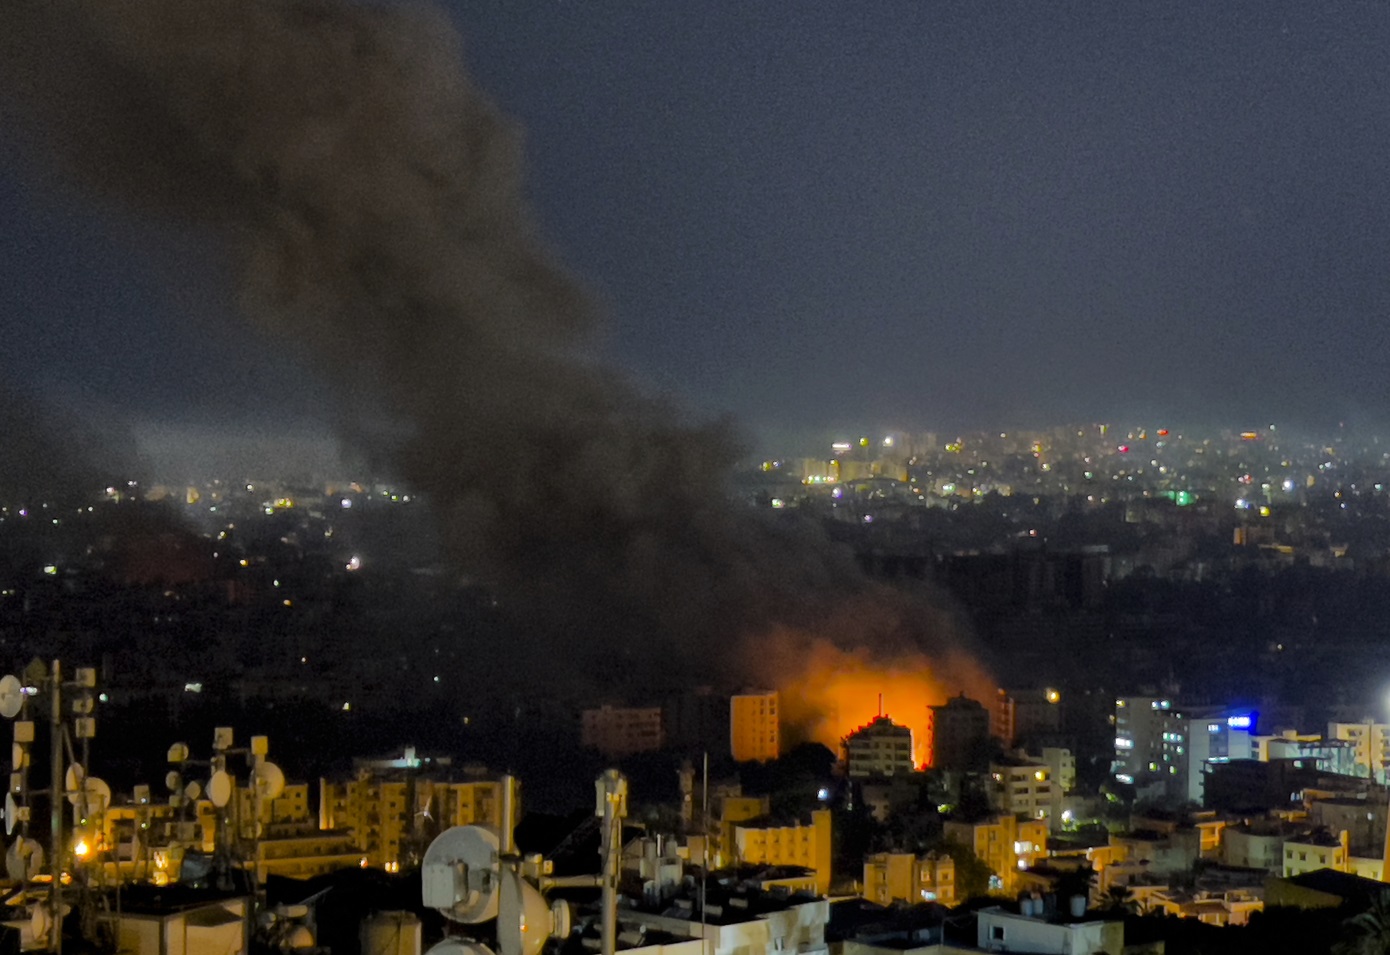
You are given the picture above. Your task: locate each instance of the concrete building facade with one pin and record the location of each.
(903, 877)
(618, 731)
(755, 727)
(879, 748)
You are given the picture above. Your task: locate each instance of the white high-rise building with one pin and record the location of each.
(1162, 747)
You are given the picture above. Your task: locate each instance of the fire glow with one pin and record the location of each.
(829, 692)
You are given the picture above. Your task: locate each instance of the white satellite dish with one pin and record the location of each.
(72, 782)
(19, 756)
(220, 788)
(11, 813)
(523, 918)
(96, 790)
(11, 696)
(269, 779)
(41, 919)
(24, 859)
(460, 874)
(178, 752)
(173, 781)
(459, 946)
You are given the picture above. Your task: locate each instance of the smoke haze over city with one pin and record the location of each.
(367, 197)
(933, 453)
(941, 217)
(311, 245)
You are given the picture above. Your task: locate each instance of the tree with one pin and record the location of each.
(1119, 899)
(1369, 932)
(972, 875)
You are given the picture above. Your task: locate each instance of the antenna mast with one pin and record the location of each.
(55, 813)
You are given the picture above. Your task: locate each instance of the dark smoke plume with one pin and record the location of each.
(50, 455)
(371, 198)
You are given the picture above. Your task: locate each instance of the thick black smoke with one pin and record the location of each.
(48, 455)
(371, 197)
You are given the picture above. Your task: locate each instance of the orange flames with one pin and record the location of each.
(827, 692)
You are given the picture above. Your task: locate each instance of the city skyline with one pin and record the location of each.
(957, 216)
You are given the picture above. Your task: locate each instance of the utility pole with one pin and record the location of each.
(55, 817)
(612, 808)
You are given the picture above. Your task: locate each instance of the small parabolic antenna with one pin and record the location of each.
(38, 921)
(173, 781)
(77, 784)
(11, 813)
(459, 946)
(97, 793)
(24, 859)
(524, 920)
(220, 788)
(19, 756)
(269, 779)
(11, 696)
(460, 875)
(41, 919)
(178, 752)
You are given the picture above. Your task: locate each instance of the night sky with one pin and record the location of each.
(822, 216)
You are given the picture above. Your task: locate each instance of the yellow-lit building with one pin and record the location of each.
(1024, 787)
(1371, 744)
(393, 818)
(289, 813)
(148, 841)
(124, 838)
(1004, 843)
(306, 854)
(901, 876)
(800, 843)
(1317, 850)
(754, 726)
(709, 841)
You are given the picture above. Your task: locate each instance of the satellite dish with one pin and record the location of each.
(178, 752)
(298, 938)
(523, 918)
(41, 919)
(269, 779)
(24, 859)
(97, 793)
(459, 946)
(11, 813)
(460, 874)
(96, 790)
(220, 788)
(193, 790)
(19, 756)
(11, 696)
(173, 781)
